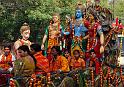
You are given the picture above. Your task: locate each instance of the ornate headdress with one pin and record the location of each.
(24, 27)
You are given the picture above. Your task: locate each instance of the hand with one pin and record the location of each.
(101, 49)
(58, 71)
(42, 46)
(57, 32)
(10, 69)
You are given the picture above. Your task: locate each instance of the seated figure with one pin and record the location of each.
(42, 63)
(7, 59)
(77, 62)
(58, 63)
(24, 67)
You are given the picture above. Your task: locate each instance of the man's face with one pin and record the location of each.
(54, 52)
(6, 51)
(25, 34)
(78, 14)
(55, 19)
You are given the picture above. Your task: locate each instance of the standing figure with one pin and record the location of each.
(96, 36)
(67, 38)
(7, 59)
(25, 33)
(95, 41)
(53, 34)
(89, 4)
(79, 31)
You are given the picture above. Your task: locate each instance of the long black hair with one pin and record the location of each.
(36, 47)
(25, 48)
(57, 49)
(7, 46)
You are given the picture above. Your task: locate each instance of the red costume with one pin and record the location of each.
(6, 61)
(94, 41)
(42, 64)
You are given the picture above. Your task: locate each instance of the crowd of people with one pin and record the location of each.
(32, 61)
(76, 47)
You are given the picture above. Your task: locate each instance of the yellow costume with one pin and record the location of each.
(60, 63)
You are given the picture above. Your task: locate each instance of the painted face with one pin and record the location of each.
(6, 51)
(93, 54)
(76, 54)
(25, 34)
(78, 14)
(55, 19)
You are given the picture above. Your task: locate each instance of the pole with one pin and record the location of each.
(113, 8)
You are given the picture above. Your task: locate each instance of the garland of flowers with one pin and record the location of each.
(50, 26)
(109, 76)
(121, 76)
(32, 81)
(114, 30)
(94, 38)
(92, 78)
(101, 76)
(60, 42)
(108, 37)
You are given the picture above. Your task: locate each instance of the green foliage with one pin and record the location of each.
(116, 7)
(38, 13)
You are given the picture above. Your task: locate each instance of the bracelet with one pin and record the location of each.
(102, 45)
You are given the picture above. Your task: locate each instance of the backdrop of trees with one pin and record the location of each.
(37, 13)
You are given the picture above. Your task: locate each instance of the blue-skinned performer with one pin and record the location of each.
(79, 31)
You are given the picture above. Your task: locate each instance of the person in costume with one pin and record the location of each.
(95, 41)
(24, 67)
(94, 62)
(88, 4)
(58, 63)
(96, 36)
(67, 55)
(77, 62)
(25, 33)
(53, 34)
(79, 31)
(7, 59)
(42, 63)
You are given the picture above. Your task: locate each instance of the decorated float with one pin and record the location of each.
(109, 69)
